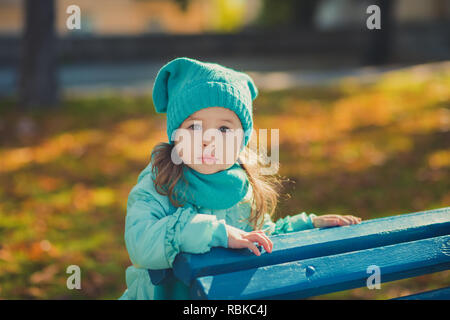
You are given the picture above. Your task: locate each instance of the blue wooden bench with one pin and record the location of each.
(319, 261)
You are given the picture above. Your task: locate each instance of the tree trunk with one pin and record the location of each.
(304, 11)
(38, 84)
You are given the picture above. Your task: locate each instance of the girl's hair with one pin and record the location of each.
(265, 188)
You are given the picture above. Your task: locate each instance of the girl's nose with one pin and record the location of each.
(207, 142)
(208, 147)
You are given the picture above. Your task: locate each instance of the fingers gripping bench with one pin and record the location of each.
(319, 261)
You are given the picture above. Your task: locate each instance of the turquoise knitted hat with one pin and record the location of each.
(184, 86)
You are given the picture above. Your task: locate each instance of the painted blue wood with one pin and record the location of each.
(438, 294)
(160, 276)
(316, 276)
(316, 243)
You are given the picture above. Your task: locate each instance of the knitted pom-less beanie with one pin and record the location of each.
(184, 86)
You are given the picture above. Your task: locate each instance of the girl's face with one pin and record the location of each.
(210, 140)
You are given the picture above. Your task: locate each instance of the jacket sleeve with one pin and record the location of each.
(153, 238)
(298, 222)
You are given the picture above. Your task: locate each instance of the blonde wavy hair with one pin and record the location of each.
(265, 188)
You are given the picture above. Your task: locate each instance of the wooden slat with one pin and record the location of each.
(438, 294)
(344, 271)
(316, 243)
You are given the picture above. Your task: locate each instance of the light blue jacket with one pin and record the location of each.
(156, 231)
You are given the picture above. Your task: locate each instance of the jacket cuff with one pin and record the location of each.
(219, 235)
(310, 220)
(302, 221)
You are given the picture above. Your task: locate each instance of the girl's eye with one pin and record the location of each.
(194, 126)
(226, 129)
(197, 126)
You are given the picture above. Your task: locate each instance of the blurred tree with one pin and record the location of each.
(38, 83)
(183, 4)
(289, 13)
(441, 9)
(227, 16)
(304, 12)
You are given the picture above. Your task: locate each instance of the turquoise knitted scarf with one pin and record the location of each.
(220, 190)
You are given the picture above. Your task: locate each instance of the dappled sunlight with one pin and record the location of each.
(364, 110)
(129, 148)
(66, 143)
(357, 155)
(416, 79)
(133, 139)
(365, 126)
(439, 159)
(426, 121)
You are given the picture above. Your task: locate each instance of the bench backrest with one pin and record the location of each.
(318, 261)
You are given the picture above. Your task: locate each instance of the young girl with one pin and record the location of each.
(196, 194)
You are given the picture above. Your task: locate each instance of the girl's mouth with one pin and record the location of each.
(208, 160)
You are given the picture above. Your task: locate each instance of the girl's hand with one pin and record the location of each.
(331, 220)
(238, 239)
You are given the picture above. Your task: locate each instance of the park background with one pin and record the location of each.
(363, 115)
